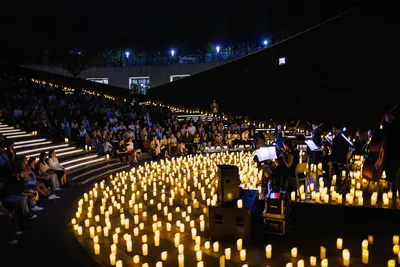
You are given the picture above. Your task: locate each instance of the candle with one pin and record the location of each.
(222, 261)
(313, 261)
(73, 221)
(293, 252)
(200, 264)
(386, 201)
(228, 253)
(293, 196)
(268, 251)
(181, 260)
(66, 140)
(365, 256)
(145, 249)
(364, 244)
(289, 264)
(96, 249)
(396, 249)
(391, 263)
(119, 263)
(113, 249)
(324, 263)
(202, 226)
(207, 245)
(115, 238)
(136, 259)
(373, 200)
(239, 244)
(91, 231)
(129, 245)
(300, 263)
(164, 255)
(112, 259)
(243, 255)
(156, 240)
(180, 249)
(144, 238)
(322, 252)
(216, 246)
(339, 243)
(80, 230)
(240, 203)
(395, 240)
(194, 233)
(346, 257)
(199, 255)
(96, 239)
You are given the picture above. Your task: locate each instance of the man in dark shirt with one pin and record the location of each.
(123, 152)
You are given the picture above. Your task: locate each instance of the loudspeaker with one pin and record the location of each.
(249, 198)
(228, 183)
(229, 224)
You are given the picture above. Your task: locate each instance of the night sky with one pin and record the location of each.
(160, 24)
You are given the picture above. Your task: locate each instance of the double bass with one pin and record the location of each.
(373, 164)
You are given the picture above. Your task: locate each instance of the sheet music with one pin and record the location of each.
(266, 153)
(311, 145)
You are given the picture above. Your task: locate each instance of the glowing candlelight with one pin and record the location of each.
(293, 252)
(346, 257)
(91, 232)
(240, 203)
(313, 261)
(115, 238)
(364, 244)
(222, 261)
(371, 239)
(80, 230)
(164, 255)
(239, 244)
(199, 255)
(181, 260)
(339, 243)
(391, 263)
(228, 253)
(136, 259)
(96, 249)
(395, 240)
(365, 256)
(243, 255)
(396, 249)
(216, 246)
(207, 245)
(112, 259)
(322, 252)
(300, 263)
(156, 240)
(268, 251)
(324, 263)
(202, 226)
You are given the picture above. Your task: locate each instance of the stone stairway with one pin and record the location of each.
(82, 165)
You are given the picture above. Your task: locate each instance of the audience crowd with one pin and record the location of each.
(119, 128)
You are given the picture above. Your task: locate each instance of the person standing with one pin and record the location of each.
(214, 108)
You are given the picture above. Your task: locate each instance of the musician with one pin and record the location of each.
(289, 160)
(339, 151)
(316, 135)
(391, 150)
(363, 142)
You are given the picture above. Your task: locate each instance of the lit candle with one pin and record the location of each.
(91, 232)
(113, 249)
(202, 226)
(145, 249)
(168, 226)
(395, 240)
(293, 252)
(364, 244)
(243, 255)
(144, 238)
(324, 263)
(396, 249)
(115, 238)
(80, 230)
(371, 239)
(96, 239)
(391, 263)
(96, 249)
(156, 240)
(313, 261)
(112, 259)
(373, 200)
(199, 255)
(228, 253)
(222, 261)
(365, 256)
(268, 251)
(164, 255)
(239, 244)
(136, 259)
(346, 257)
(119, 263)
(136, 231)
(73, 221)
(240, 203)
(300, 263)
(385, 201)
(181, 260)
(322, 252)
(339, 243)
(289, 264)
(216, 246)
(207, 245)
(194, 233)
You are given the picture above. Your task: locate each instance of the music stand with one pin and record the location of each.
(311, 145)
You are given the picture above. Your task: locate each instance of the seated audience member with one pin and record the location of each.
(196, 143)
(8, 227)
(155, 147)
(146, 144)
(122, 152)
(131, 149)
(57, 167)
(45, 172)
(164, 146)
(31, 169)
(172, 145)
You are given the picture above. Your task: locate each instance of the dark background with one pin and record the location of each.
(343, 71)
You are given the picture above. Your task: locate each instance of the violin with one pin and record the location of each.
(373, 164)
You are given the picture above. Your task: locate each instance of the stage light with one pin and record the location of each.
(217, 49)
(344, 129)
(127, 54)
(265, 42)
(172, 52)
(282, 61)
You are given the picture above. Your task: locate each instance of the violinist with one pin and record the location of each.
(279, 136)
(289, 159)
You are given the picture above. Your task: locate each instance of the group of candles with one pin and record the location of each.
(354, 197)
(151, 196)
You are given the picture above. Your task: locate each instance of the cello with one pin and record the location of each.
(372, 169)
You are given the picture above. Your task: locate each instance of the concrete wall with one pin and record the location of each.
(119, 76)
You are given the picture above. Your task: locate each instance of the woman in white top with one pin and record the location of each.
(57, 167)
(131, 149)
(155, 147)
(46, 172)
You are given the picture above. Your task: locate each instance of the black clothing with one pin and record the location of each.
(340, 149)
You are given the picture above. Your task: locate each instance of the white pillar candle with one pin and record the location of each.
(395, 240)
(119, 263)
(136, 259)
(181, 249)
(322, 252)
(365, 256)
(396, 249)
(96, 249)
(113, 249)
(346, 257)
(199, 255)
(207, 245)
(324, 263)
(222, 261)
(240, 203)
(181, 260)
(293, 252)
(313, 261)
(156, 240)
(293, 196)
(242, 255)
(364, 244)
(216, 246)
(164, 255)
(202, 226)
(268, 251)
(239, 244)
(339, 243)
(391, 263)
(228, 253)
(300, 263)
(112, 259)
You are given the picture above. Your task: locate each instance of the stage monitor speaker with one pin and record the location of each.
(228, 183)
(229, 224)
(249, 198)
